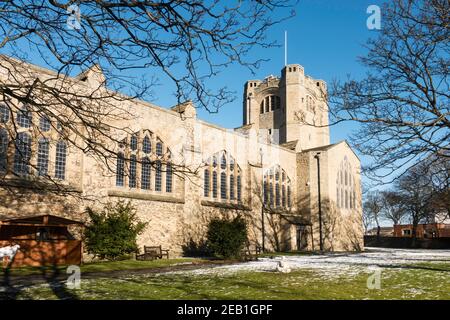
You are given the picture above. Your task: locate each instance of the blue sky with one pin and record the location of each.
(325, 37)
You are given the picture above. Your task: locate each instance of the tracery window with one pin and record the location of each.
(345, 186)
(222, 166)
(148, 168)
(277, 188)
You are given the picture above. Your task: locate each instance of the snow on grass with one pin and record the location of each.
(334, 264)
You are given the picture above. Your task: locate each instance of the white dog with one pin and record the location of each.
(9, 251)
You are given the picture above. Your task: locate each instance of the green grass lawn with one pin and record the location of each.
(418, 281)
(108, 266)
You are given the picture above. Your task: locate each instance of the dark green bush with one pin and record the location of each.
(226, 238)
(112, 232)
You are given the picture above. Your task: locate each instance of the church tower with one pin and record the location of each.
(290, 108)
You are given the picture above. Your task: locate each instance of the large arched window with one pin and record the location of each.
(222, 176)
(22, 154)
(148, 168)
(3, 149)
(270, 103)
(345, 186)
(60, 160)
(277, 188)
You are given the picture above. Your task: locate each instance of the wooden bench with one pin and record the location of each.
(153, 252)
(248, 255)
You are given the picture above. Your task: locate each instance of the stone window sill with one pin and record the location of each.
(144, 196)
(225, 205)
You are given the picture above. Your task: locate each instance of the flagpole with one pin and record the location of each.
(285, 48)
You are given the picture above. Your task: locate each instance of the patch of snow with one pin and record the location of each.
(333, 264)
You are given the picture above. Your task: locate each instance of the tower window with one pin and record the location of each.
(270, 103)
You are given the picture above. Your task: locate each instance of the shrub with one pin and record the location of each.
(226, 238)
(112, 232)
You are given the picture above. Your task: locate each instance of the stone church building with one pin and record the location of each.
(179, 171)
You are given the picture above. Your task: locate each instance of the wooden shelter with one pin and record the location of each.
(43, 239)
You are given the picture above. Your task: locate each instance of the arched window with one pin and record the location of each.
(289, 203)
(3, 149)
(4, 113)
(345, 186)
(277, 191)
(168, 177)
(271, 202)
(42, 159)
(223, 185)
(265, 192)
(60, 160)
(134, 143)
(158, 175)
(22, 154)
(214, 184)
(44, 124)
(159, 149)
(206, 186)
(232, 197)
(24, 117)
(270, 103)
(239, 189)
(120, 170)
(146, 145)
(222, 166)
(133, 169)
(141, 163)
(145, 174)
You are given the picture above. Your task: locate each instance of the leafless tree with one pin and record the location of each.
(417, 193)
(393, 206)
(402, 104)
(188, 42)
(372, 207)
